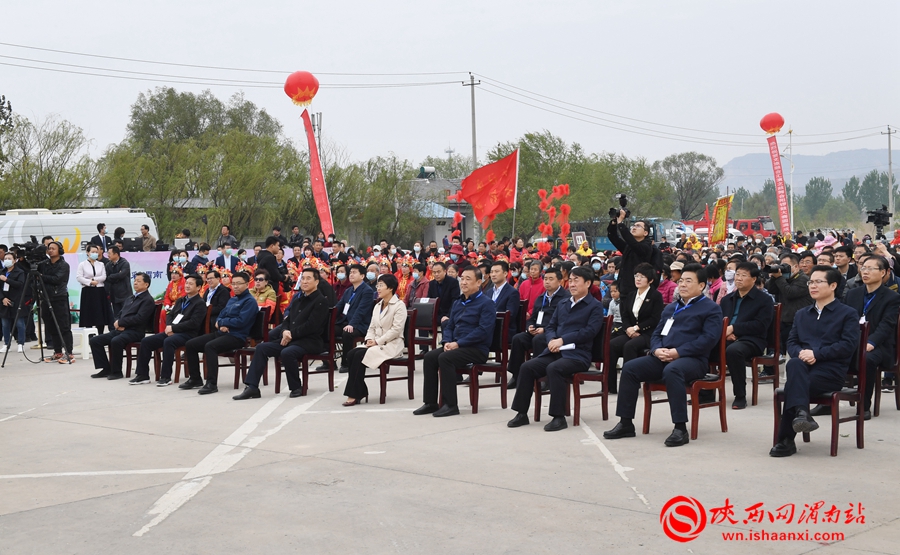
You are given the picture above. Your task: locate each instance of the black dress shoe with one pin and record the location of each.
(804, 423)
(511, 384)
(739, 403)
(619, 431)
(343, 370)
(101, 374)
(558, 423)
(784, 448)
(322, 366)
(296, 393)
(446, 410)
(115, 376)
(427, 408)
(190, 384)
(248, 393)
(706, 396)
(677, 438)
(545, 386)
(867, 415)
(520, 419)
(138, 380)
(208, 388)
(820, 410)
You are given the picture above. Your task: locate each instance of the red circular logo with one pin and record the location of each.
(683, 518)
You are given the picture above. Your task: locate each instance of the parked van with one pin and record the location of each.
(73, 227)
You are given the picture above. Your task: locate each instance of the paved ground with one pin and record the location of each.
(93, 466)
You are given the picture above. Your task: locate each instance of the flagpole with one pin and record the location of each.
(516, 195)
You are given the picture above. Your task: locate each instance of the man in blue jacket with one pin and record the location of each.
(354, 311)
(679, 354)
(570, 337)
(232, 328)
(466, 339)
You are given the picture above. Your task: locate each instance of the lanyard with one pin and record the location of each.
(866, 307)
(690, 304)
(470, 299)
(184, 303)
(212, 292)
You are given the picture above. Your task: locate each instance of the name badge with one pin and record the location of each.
(423, 300)
(6, 287)
(668, 326)
(208, 303)
(862, 319)
(346, 309)
(540, 317)
(177, 319)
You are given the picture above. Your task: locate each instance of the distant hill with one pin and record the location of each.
(751, 170)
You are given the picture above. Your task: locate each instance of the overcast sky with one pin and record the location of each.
(714, 66)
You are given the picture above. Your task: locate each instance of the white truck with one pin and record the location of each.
(73, 227)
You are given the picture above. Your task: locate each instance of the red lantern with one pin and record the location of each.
(772, 123)
(301, 87)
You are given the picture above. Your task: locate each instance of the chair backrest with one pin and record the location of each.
(332, 322)
(260, 329)
(154, 323)
(774, 335)
(426, 313)
(523, 314)
(896, 346)
(500, 341)
(206, 322)
(860, 367)
(717, 354)
(411, 331)
(600, 348)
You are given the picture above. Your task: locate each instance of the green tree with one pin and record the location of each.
(850, 192)
(818, 192)
(388, 209)
(695, 179)
(452, 167)
(873, 191)
(6, 125)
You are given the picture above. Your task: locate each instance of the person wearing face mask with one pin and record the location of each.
(95, 308)
(341, 283)
(13, 279)
(531, 286)
(199, 259)
(418, 288)
(515, 271)
(228, 258)
(728, 279)
(177, 261)
(420, 254)
(354, 313)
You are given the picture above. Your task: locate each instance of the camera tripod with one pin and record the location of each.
(34, 278)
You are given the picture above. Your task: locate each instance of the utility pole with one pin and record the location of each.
(472, 84)
(791, 181)
(890, 177)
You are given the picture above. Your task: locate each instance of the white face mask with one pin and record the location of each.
(441, 250)
(7, 263)
(393, 251)
(417, 248)
(729, 275)
(341, 276)
(415, 275)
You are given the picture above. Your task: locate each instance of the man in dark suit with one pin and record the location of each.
(129, 327)
(183, 323)
(679, 354)
(541, 312)
(217, 295)
(879, 306)
(749, 311)
(299, 333)
(570, 336)
(227, 259)
(266, 261)
(504, 295)
(443, 287)
(101, 240)
(354, 312)
(118, 280)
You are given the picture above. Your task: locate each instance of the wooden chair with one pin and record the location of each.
(774, 343)
(327, 357)
(259, 333)
(894, 369)
(523, 318)
(132, 349)
(427, 311)
(852, 394)
(179, 351)
(712, 381)
(408, 361)
(499, 366)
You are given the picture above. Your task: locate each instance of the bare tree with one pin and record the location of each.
(695, 178)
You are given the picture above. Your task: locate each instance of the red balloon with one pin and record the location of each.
(301, 87)
(772, 123)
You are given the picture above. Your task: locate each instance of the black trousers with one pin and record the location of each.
(117, 309)
(874, 359)
(356, 381)
(348, 341)
(117, 340)
(521, 344)
(785, 332)
(64, 318)
(626, 348)
(557, 370)
(737, 357)
(446, 363)
(260, 361)
(677, 374)
(211, 344)
(168, 344)
(803, 382)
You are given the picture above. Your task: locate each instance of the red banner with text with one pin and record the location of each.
(317, 180)
(780, 191)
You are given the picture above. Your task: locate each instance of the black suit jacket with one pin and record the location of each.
(306, 317)
(507, 300)
(447, 291)
(219, 299)
(137, 312)
(881, 316)
(194, 315)
(649, 313)
(548, 308)
(267, 261)
(96, 240)
(754, 315)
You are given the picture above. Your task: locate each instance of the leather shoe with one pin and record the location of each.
(116, 376)
(190, 384)
(804, 423)
(867, 415)
(446, 410)
(784, 448)
(520, 419)
(511, 384)
(619, 431)
(343, 370)
(545, 386)
(739, 403)
(101, 374)
(208, 388)
(677, 438)
(820, 410)
(296, 393)
(248, 393)
(427, 408)
(558, 423)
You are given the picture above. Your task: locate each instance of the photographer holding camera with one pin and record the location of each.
(55, 273)
(634, 243)
(790, 287)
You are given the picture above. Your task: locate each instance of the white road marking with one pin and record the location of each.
(95, 473)
(221, 459)
(620, 470)
(17, 414)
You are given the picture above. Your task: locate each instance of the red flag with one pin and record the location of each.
(317, 180)
(780, 192)
(491, 189)
(706, 214)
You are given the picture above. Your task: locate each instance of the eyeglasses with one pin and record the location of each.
(864, 269)
(260, 279)
(816, 282)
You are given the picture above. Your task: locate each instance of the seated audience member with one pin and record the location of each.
(300, 333)
(640, 313)
(749, 311)
(199, 259)
(466, 338)
(341, 281)
(504, 296)
(232, 327)
(384, 339)
(129, 327)
(531, 286)
(262, 290)
(534, 338)
(354, 312)
(217, 295)
(183, 323)
(679, 354)
(227, 259)
(570, 337)
(666, 285)
(418, 288)
(822, 343)
(443, 287)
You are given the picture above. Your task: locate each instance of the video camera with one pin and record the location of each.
(33, 252)
(623, 202)
(880, 217)
(784, 269)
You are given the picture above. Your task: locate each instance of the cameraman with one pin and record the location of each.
(791, 290)
(55, 274)
(635, 246)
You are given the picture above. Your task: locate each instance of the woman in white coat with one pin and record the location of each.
(384, 339)
(95, 310)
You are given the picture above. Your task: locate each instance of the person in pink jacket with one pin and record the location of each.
(532, 287)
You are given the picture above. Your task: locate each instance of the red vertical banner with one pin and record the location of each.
(780, 191)
(317, 180)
